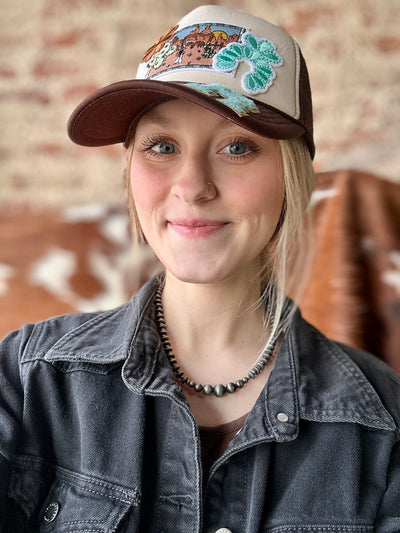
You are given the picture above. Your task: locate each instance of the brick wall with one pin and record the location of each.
(54, 52)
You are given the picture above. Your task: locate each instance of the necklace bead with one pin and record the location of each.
(218, 390)
(230, 387)
(208, 389)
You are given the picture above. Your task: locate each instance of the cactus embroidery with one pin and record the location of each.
(160, 57)
(261, 55)
(236, 101)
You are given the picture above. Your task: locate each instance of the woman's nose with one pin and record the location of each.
(193, 182)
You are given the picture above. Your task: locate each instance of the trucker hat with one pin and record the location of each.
(232, 63)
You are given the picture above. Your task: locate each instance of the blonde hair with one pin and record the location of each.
(285, 259)
(137, 232)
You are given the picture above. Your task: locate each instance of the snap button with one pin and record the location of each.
(282, 417)
(51, 512)
(223, 530)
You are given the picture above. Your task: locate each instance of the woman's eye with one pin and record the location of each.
(237, 148)
(165, 148)
(156, 146)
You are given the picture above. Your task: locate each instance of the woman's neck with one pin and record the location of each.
(217, 333)
(221, 318)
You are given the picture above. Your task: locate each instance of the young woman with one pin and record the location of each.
(206, 403)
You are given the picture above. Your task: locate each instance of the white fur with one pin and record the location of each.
(6, 272)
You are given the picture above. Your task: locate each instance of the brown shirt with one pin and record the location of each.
(215, 440)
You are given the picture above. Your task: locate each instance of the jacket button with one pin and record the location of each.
(282, 417)
(223, 530)
(51, 512)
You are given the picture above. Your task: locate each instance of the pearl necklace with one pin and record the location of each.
(218, 390)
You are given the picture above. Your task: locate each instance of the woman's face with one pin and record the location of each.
(208, 193)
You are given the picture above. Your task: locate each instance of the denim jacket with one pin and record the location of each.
(96, 436)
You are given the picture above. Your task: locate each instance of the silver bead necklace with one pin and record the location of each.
(218, 390)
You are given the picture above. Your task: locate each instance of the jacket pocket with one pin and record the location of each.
(58, 500)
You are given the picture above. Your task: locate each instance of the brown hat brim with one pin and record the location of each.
(105, 117)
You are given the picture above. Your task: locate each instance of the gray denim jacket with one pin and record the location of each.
(96, 436)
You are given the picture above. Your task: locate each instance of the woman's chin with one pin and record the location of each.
(195, 273)
(198, 277)
(208, 274)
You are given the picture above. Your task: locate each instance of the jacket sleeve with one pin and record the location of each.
(388, 520)
(11, 406)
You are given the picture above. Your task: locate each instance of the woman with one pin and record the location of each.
(206, 403)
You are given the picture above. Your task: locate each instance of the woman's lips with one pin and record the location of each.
(196, 227)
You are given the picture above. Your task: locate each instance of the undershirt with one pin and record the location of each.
(215, 440)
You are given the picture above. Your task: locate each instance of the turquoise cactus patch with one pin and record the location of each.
(236, 101)
(261, 55)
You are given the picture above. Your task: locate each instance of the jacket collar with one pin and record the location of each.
(127, 334)
(313, 378)
(105, 337)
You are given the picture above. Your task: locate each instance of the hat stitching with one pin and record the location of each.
(296, 82)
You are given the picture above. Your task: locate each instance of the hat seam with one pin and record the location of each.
(297, 80)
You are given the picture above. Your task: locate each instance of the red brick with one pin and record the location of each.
(4, 154)
(47, 68)
(20, 182)
(68, 38)
(52, 149)
(113, 151)
(306, 19)
(27, 95)
(79, 92)
(56, 9)
(388, 44)
(368, 18)
(7, 73)
(104, 2)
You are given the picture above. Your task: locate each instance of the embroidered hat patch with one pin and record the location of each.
(260, 54)
(236, 101)
(217, 47)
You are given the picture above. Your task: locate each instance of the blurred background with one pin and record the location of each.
(55, 52)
